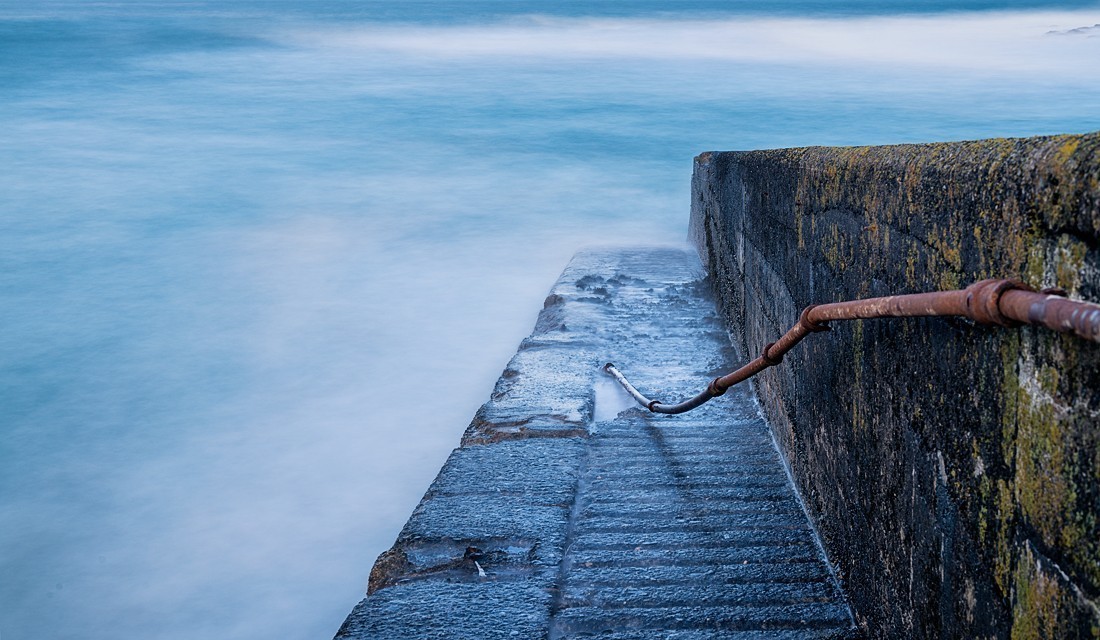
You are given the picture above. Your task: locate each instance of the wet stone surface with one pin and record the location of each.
(568, 513)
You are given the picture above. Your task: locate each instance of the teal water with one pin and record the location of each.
(241, 241)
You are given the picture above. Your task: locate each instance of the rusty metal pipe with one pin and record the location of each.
(653, 405)
(1002, 302)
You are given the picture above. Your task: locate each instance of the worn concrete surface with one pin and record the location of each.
(589, 522)
(954, 470)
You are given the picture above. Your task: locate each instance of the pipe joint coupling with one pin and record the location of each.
(983, 301)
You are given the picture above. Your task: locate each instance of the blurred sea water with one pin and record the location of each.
(240, 239)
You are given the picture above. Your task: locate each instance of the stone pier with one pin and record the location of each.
(566, 513)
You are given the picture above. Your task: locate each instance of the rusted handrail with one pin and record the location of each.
(1006, 303)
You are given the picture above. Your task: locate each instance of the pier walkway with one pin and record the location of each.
(567, 513)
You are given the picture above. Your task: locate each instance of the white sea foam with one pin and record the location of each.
(1014, 42)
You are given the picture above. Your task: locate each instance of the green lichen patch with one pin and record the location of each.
(1056, 460)
(1047, 606)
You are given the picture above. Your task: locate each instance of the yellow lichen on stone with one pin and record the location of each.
(948, 254)
(829, 249)
(983, 269)
(1039, 611)
(911, 265)
(1041, 484)
(1069, 263)
(911, 183)
(1004, 556)
(985, 498)
(1066, 151)
(1004, 505)
(1046, 605)
(798, 227)
(1045, 470)
(1036, 263)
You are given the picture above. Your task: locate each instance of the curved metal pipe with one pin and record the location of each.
(654, 405)
(1006, 303)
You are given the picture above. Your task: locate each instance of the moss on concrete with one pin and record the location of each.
(977, 446)
(1046, 605)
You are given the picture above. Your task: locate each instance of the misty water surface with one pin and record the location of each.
(239, 240)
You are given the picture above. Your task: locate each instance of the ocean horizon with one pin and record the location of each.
(261, 261)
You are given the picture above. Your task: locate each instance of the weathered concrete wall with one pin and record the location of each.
(953, 469)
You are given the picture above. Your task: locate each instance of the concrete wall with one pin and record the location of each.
(953, 470)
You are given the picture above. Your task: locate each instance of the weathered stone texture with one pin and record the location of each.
(953, 469)
(622, 525)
